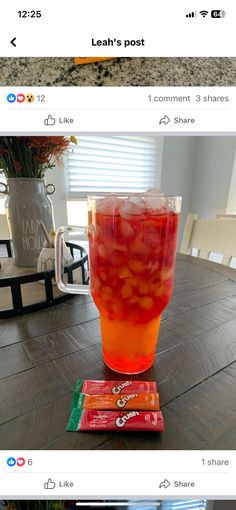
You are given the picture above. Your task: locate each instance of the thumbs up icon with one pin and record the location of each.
(49, 484)
(49, 121)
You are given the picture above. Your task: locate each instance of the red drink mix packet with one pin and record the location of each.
(117, 387)
(133, 401)
(111, 388)
(84, 419)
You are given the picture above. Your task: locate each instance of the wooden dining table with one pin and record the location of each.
(42, 355)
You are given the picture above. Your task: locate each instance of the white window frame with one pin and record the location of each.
(208, 506)
(80, 197)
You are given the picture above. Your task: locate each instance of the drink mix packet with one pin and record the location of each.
(133, 401)
(89, 60)
(111, 388)
(85, 419)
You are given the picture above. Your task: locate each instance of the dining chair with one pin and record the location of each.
(5, 235)
(210, 236)
(226, 216)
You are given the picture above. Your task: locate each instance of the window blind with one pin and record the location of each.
(195, 504)
(144, 506)
(119, 164)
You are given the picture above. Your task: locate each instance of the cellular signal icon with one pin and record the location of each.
(204, 13)
(191, 15)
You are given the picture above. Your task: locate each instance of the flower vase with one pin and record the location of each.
(27, 204)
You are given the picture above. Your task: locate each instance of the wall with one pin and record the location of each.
(224, 505)
(56, 176)
(214, 159)
(231, 205)
(177, 171)
(200, 170)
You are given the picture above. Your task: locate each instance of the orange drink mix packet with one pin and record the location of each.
(88, 60)
(133, 401)
(112, 388)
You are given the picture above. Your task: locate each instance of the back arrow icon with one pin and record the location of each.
(13, 42)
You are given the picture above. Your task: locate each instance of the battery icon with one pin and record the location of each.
(218, 13)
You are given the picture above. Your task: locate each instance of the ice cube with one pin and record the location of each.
(109, 205)
(137, 266)
(125, 273)
(132, 206)
(146, 302)
(138, 246)
(97, 284)
(102, 251)
(153, 191)
(127, 291)
(154, 200)
(143, 287)
(126, 230)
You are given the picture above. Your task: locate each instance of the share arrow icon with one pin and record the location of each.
(165, 120)
(164, 484)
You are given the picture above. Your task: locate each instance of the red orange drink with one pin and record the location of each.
(132, 245)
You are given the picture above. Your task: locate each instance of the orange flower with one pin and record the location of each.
(31, 156)
(17, 165)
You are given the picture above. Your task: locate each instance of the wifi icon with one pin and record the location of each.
(204, 13)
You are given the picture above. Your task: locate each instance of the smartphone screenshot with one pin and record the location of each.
(128, 505)
(118, 256)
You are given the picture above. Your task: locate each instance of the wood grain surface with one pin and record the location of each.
(32, 292)
(44, 353)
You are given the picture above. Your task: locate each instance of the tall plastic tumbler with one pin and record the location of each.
(132, 248)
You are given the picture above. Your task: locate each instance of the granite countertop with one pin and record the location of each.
(121, 72)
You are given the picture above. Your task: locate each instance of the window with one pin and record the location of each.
(119, 164)
(194, 504)
(143, 505)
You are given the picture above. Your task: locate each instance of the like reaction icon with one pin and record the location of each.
(49, 484)
(49, 121)
(11, 98)
(11, 461)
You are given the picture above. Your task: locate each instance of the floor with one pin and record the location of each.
(118, 72)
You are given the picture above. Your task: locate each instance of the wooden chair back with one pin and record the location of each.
(4, 228)
(213, 235)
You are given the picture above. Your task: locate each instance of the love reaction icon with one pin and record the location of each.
(20, 461)
(20, 98)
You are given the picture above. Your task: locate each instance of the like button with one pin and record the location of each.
(49, 484)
